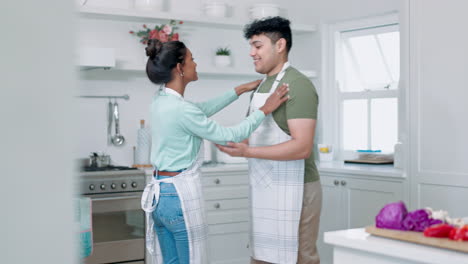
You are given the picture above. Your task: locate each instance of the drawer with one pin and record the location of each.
(221, 192)
(219, 181)
(219, 205)
(224, 217)
(229, 228)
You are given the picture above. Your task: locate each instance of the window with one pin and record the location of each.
(367, 67)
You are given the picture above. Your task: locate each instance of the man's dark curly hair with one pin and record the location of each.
(273, 27)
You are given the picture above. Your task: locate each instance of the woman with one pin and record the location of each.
(176, 226)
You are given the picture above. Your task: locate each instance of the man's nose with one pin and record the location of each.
(252, 52)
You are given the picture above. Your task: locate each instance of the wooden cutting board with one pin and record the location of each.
(419, 238)
(369, 161)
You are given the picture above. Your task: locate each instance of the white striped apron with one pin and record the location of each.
(188, 187)
(276, 189)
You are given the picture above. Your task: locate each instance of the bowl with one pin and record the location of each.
(259, 11)
(215, 9)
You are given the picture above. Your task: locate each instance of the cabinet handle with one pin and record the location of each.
(343, 183)
(217, 181)
(336, 182)
(217, 205)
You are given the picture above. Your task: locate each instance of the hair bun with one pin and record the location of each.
(153, 48)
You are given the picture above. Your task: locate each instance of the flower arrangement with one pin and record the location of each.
(164, 32)
(223, 51)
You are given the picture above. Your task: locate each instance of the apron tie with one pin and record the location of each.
(150, 196)
(149, 202)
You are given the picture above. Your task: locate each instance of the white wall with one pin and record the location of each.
(201, 40)
(37, 77)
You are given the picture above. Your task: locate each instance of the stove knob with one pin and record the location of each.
(92, 187)
(134, 184)
(113, 186)
(103, 186)
(124, 185)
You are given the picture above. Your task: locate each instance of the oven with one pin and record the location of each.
(117, 218)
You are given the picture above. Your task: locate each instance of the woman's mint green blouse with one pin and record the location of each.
(178, 127)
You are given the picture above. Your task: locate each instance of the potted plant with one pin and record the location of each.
(223, 57)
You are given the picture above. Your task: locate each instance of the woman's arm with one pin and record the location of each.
(195, 122)
(214, 105)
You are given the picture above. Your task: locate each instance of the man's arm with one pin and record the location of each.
(299, 147)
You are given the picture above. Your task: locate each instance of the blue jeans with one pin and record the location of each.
(170, 226)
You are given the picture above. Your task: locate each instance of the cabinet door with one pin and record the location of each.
(363, 199)
(230, 246)
(331, 217)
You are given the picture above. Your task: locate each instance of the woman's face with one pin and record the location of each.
(189, 68)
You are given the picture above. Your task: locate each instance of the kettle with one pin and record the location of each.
(99, 161)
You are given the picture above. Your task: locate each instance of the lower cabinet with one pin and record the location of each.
(226, 194)
(352, 202)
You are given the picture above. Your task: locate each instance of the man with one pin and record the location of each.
(286, 195)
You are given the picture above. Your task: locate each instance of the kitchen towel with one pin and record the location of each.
(143, 148)
(83, 220)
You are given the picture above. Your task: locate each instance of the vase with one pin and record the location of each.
(222, 60)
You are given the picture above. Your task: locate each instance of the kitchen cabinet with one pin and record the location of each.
(104, 27)
(351, 201)
(437, 124)
(361, 247)
(226, 192)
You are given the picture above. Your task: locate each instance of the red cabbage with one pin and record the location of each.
(391, 216)
(418, 220)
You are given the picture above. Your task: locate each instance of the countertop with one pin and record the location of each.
(386, 170)
(332, 166)
(360, 240)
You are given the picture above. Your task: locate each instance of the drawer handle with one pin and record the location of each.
(217, 205)
(336, 182)
(217, 181)
(343, 183)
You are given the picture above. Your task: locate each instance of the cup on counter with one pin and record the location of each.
(325, 152)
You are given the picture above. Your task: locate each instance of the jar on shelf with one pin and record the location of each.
(149, 5)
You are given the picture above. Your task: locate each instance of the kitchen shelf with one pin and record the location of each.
(150, 16)
(232, 72)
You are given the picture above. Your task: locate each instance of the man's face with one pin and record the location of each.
(264, 54)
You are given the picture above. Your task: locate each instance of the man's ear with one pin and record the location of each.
(281, 45)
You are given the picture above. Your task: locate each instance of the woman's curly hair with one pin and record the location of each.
(273, 27)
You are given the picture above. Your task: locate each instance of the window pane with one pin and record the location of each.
(370, 61)
(355, 124)
(390, 44)
(351, 82)
(384, 123)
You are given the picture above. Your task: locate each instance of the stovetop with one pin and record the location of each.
(108, 168)
(111, 179)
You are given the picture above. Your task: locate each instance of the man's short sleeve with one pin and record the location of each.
(303, 102)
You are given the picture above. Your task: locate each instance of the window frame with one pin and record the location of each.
(332, 113)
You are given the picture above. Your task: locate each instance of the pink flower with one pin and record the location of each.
(167, 29)
(153, 34)
(163, 37)
(175, 37)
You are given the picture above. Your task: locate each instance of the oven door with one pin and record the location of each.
(118, 228)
